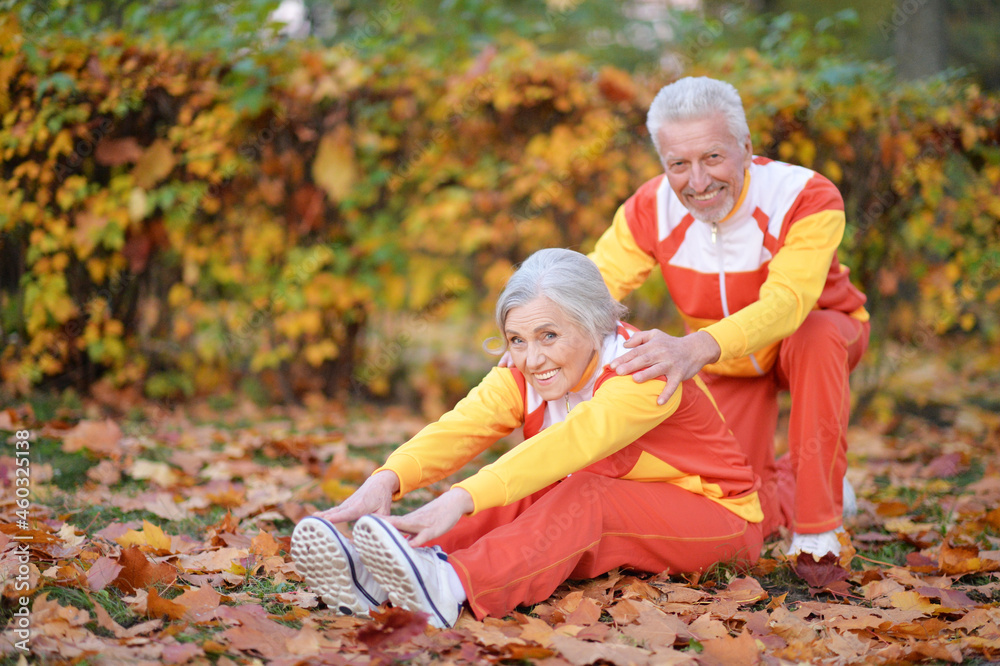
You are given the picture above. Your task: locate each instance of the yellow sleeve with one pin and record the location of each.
(796, 277)
(492, 410)
(623, 264)
(619, 413)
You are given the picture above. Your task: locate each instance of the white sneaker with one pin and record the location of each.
(416, 579)
(332, 568)
(816, 544)
(850, 500)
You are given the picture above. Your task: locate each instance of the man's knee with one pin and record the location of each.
(821, 333)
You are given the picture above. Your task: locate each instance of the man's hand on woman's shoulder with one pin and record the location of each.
(654, 354)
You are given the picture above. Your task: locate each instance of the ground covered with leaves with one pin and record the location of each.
(159, 535)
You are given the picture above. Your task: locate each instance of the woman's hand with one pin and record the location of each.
(434, 518)
(374, 496)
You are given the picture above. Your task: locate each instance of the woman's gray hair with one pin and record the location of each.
(574, 285)
(694, 98)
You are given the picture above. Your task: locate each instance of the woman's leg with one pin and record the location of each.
(587, 525)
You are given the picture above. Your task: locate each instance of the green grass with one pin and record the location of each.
(891, 552)
(69, 470)
(93, 518)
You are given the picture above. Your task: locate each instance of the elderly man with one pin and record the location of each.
(748, 249)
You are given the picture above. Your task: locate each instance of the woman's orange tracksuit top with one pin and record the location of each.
(608, 425)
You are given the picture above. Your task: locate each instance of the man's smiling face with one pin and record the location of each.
(705, 165)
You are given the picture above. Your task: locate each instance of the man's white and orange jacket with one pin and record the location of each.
(608, 425)
(751, 279)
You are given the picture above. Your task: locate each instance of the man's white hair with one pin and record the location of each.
(694, 98)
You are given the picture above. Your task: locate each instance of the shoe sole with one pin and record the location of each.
(386, 556)
(320, 556)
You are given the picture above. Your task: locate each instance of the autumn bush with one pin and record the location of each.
(177, 219)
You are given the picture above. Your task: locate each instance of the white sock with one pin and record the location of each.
(456, 585)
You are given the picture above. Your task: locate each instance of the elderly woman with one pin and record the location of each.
(604, 478)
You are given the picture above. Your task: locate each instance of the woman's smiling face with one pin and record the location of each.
(549, 349)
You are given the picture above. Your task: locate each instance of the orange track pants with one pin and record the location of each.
(584, 526)
(803, 492)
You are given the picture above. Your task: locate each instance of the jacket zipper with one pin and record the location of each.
(717, 240)
(722, 286)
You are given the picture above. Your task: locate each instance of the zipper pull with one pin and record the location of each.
(715, 228)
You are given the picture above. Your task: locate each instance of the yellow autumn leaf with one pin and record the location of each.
(970, 136)
(321, 351)
(137, 204)
(911, 600)
(158, 472)
(833, 171)
(334, 168)
(336, 490)
(150, 535)
(154, 165)
(807, 152)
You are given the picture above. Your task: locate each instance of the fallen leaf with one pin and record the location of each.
(534, 630)
(908, 600)
(102, 572)
(138, 573)
(157, 606)
(706, 627)
(264, 545)
(159, 473)
(181, 653)
(256, 633)
(150, 535)
(581, 653)
(892, 509)
(819, 574)
(199, 604)
(305, 642)
(727, 650)
(587, 612)
(390, 628)
(222, 559)
(101, 438)
(945, 466)
(624, 612)
(957, 560)
(744, 590)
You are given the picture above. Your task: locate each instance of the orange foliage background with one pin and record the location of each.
(157, 231)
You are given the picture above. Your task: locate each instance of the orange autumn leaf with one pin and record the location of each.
(908, 600)
(199, 603)
(963, 559)
(264, 545)
(744, 590)
(741, 649)
(139, 573)
(156, 163)
(157, 606)
(101, 438)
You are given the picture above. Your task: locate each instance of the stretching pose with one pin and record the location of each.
(604, 478)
